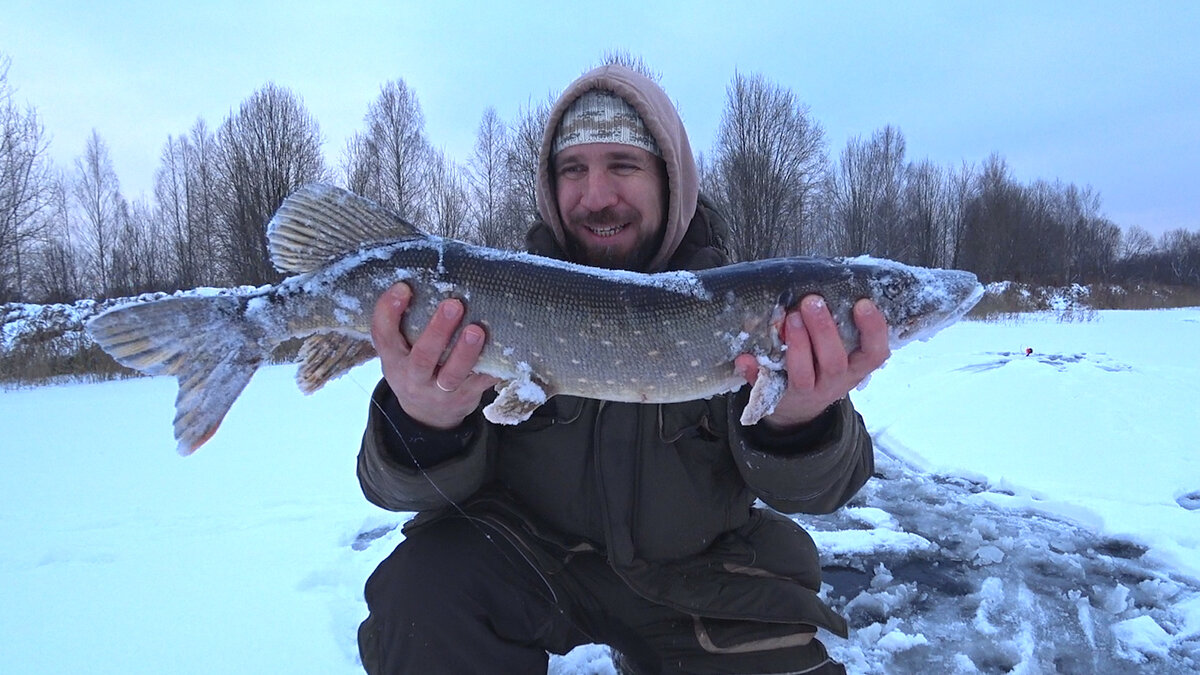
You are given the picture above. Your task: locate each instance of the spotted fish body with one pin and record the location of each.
(553, 327)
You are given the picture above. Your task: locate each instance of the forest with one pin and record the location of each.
(69, 232)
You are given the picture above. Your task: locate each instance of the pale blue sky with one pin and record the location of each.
(1105, 94)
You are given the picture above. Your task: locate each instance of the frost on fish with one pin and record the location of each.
(553, 327)
(764, 395)
(677, 281)
(517, 398)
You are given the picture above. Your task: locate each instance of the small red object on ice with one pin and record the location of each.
(1028, 351)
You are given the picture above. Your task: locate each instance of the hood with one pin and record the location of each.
(661, 118)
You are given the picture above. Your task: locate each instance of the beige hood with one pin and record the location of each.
(661, 118)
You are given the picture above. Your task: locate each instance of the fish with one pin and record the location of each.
(553, 327)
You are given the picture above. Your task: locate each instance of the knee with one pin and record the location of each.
(429, 569)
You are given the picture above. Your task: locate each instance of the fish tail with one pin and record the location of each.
(206, 343)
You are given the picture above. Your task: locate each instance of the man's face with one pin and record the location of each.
(612, 199)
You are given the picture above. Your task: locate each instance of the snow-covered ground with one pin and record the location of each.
(1030, 514)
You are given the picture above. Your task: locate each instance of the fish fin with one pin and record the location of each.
(330, 355)
(318, 224)
(206, 343)
(517, 399)
(764, 395)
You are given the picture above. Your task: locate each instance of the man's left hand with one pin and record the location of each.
(819, 371)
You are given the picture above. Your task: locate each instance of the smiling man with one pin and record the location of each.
(611, 183)
(599, 522)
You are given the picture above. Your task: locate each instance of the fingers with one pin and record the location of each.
(873, 347)
(455, 374)
(431, 344)
(436, 393)
(385, 322)
(829, 353)
(820, 372)
(746, 365)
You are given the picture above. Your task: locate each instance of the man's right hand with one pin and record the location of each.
(438, 395)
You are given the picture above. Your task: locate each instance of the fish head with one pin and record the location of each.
(917, 301)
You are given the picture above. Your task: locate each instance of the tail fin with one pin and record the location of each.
(205, 342)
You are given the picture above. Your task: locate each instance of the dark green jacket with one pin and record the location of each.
(667, 491)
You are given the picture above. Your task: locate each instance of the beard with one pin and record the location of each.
(610, 257)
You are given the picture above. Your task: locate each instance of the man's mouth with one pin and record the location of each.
(607, 231)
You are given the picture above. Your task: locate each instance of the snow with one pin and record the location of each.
(680, 282)
(1029, 514)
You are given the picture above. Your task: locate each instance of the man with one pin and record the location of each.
(624, 524)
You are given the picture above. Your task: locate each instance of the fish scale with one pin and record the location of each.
(553, 327)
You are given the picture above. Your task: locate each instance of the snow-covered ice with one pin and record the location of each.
(1029, 514)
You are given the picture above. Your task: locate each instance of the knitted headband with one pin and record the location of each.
(600, 116)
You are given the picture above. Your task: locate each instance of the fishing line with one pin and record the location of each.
(477, 523)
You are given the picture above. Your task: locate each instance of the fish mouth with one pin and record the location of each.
(962, 293)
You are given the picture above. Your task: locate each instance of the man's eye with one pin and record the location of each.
(571, 171)
(624, 169)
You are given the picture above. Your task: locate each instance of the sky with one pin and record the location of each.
(1027, 514)
(1101, 94)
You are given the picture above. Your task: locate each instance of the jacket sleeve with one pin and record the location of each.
(401, 468)
(806, 473)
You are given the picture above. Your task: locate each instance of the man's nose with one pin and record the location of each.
(599, 191)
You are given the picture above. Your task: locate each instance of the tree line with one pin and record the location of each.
(71, 233)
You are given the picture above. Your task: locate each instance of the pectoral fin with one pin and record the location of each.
(764, 395)
(324, 357)
(517, 400)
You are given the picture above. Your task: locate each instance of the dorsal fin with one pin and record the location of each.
(318, 224)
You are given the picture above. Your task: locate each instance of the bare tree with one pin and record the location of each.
(521, 162)
(25, 187)
(359, 169)
(185, 189)
(992, 223)
(623, 57)
(138, 261)
(171, 194)
(1181, 250)
(767, 167)
(887, 168)
(267, 150)
(58, 270)
(852, 199)
(449, 199)
(204, 196)
(488, 177)
(960, 191)
(98, 194)
(924, 214)
(1136, 242)
(866, 195)
(1089, 242)
(1038, 238)
(392, 161)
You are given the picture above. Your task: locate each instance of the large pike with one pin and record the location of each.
(553, 327)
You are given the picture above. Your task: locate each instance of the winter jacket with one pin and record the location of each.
(667, 492)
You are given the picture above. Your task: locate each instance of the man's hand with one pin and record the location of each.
(819, 371)
(436, 395)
